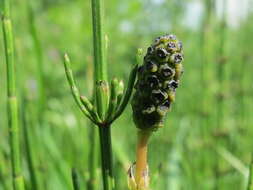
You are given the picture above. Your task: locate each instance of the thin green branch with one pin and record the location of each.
(113, 98)
(74, 89)
(17, 177)
(90, 108)
(39, 56)
(120, 92)
(130, 87)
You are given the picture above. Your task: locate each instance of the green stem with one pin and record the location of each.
(100, 75)
(100, 67)
(39, 62)
(18, 182)
(106, 157)
(221, 90)
(220, 68)
(206, 34)
(91, 185)
(29, 151)
(75, 181)
(98, 40)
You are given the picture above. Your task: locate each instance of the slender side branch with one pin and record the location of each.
(130, 86)
(18, 182)
(90, 108)
(113, 98)
(74, 89)
(120, 92)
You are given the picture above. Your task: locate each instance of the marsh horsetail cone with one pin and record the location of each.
(158, 79)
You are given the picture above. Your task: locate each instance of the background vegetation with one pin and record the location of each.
(207, 142)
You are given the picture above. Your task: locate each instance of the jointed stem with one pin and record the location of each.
(98, 40)
(106, 157)
(100, 76)
(18, 183)
(39, 61)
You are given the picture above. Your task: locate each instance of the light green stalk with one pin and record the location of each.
(39, 61)
(221, 91)
(221, 67)
(17, 177)
(205, 61)
(30, 144)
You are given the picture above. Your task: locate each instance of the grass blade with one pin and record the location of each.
(75, 180)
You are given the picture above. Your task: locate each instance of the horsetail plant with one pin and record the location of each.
(12, 105)
(104, 119)
(109, 101)
(156, 85)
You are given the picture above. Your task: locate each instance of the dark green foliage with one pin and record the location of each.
(158, 79)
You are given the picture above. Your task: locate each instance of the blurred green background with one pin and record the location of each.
(207, 140)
